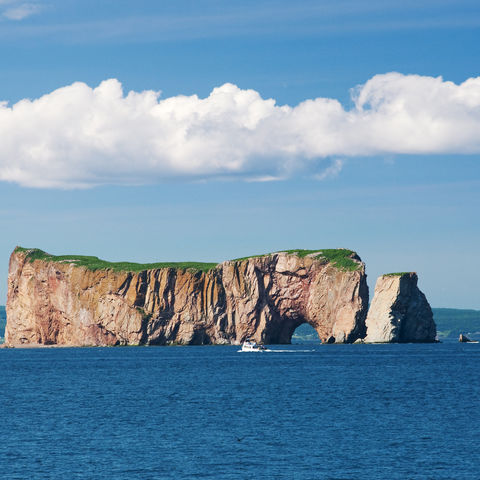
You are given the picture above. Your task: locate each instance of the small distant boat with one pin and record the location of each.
(252, 346)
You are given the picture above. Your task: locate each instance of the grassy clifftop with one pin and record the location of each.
(95, 263)
(397, 274)
(341, 258)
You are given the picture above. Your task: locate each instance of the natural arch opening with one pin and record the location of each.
(287, 330)
(305, 333)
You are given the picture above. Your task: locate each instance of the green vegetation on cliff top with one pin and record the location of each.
(95, 263)
(341, 258)
(397, 274)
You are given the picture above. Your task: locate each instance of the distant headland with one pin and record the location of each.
(82, 300)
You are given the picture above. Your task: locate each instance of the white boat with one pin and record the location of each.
(252, 346)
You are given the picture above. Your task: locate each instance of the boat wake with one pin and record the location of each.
(291, 351)
(267, 350)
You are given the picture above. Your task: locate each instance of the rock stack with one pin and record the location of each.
(399, 312)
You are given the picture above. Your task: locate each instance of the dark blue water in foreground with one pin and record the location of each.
(335, 412)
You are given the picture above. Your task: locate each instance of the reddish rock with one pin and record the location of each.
(265, 298)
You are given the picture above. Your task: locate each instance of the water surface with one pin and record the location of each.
(307, 412)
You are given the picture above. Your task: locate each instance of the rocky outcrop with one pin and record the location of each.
(53, 300)
(399, 311)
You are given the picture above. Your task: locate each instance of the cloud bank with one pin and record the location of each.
(77, 136)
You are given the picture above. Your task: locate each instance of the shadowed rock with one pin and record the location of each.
(399, 312)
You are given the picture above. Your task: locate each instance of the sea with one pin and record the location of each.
(298, 412)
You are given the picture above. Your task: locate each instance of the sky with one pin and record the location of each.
(208, 130)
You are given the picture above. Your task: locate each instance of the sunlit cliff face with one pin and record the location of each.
(264, 298)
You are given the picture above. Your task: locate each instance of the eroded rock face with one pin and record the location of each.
(265, 298)
(399, 312)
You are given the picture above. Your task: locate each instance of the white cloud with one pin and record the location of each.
(77, 136)
(332, 171)
(21, 11)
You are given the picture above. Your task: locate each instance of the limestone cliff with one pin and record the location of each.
(68, 301)
(399, 311)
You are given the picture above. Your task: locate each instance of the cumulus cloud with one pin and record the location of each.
(79, 136)
(21, 10)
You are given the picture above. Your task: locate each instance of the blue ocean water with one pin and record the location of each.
(300, 412)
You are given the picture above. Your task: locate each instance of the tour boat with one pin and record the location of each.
(252, 346)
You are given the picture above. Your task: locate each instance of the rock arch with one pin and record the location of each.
(271, 296)
(263, 297)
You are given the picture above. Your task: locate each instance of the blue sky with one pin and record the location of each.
(403, 199)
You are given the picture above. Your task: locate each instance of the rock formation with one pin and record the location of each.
(399, 311)
(56, 300)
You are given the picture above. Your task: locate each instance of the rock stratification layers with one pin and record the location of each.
(399, 311)
(55, 300)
